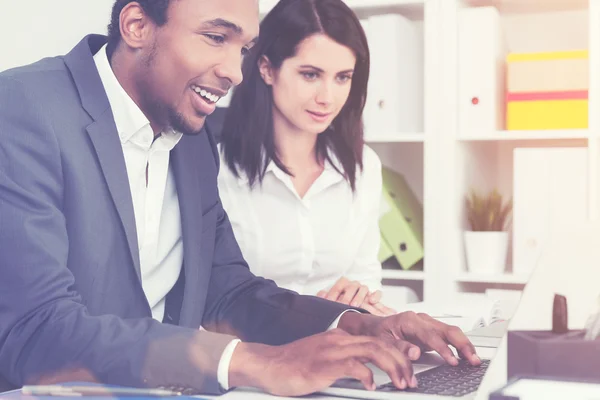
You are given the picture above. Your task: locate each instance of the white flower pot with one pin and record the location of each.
(486, 252)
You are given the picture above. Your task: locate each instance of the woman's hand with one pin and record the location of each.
(355, 294)
(378, 308)
(346, 291)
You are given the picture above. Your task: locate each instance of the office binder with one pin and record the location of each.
(545, 112)
(550, 189)
(547, 90)
(396, 80)
(401, 221)
(481, 70)
(560, 71)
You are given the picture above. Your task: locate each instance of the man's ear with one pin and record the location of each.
(266, 70)
(135, 26)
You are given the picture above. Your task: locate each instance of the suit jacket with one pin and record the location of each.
(71, 301)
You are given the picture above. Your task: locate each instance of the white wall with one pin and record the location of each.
(32, 29)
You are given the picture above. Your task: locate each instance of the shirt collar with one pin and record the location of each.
(131, 122)
(330, 174)
(330, 166)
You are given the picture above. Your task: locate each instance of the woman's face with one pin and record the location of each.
(310, 88)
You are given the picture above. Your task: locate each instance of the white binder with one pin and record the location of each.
(550, 191)
(481, 71)
(395, 92)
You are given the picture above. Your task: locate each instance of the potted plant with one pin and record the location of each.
(486, 244)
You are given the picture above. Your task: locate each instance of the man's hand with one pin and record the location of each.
(354, 294)
(424, 332)
(314, 363)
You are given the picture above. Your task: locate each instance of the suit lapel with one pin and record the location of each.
(104, 136)
(106, 142)
(184, 160)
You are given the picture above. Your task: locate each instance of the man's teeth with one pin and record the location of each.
(206, 94)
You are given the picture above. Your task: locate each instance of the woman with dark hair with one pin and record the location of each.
(301, 188)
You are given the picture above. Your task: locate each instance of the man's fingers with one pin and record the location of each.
(413, 352)
(361, 372)
(455, 336)
(440, 346)
(322, 294)
(385, 356)
(463, 345)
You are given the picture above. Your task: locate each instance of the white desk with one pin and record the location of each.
(570, 266)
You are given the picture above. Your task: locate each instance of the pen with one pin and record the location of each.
(77, 391)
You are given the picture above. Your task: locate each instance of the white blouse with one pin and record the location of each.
(306, 244)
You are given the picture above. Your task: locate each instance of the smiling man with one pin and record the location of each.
(114, 246)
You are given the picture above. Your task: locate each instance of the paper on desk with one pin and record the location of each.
(466, 324)
(468, 312)
(532, 389)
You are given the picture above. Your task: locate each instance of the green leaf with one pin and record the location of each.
(488, 212)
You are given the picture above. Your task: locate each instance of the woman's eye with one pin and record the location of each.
(344, 78)
(309, 75)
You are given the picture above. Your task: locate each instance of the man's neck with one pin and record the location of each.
(125, 73)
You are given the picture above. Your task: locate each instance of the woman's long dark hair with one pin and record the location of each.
(247, 136)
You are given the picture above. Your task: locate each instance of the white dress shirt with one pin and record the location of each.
(155, 201)
(306, 244)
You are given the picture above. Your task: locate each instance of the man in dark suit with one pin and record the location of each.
(114, 246)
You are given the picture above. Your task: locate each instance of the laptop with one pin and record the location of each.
(436, 378)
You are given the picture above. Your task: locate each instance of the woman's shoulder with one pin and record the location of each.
(371, 163)
(368, 180)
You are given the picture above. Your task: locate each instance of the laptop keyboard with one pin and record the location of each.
(446, 380)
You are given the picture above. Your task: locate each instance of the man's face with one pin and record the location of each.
(193, 60)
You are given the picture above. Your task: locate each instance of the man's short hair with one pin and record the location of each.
(156, 10)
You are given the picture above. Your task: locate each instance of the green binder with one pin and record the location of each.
(401, 221)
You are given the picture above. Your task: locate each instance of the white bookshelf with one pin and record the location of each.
(403, 275)
(494, 279)
(444, 161)
(483, 159)
(401, 137)
(504, 135)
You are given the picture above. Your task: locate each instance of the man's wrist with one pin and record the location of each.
(358, 324)
(248, 365)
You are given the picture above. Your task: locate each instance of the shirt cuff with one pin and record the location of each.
(223, 368)
(335, 323)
